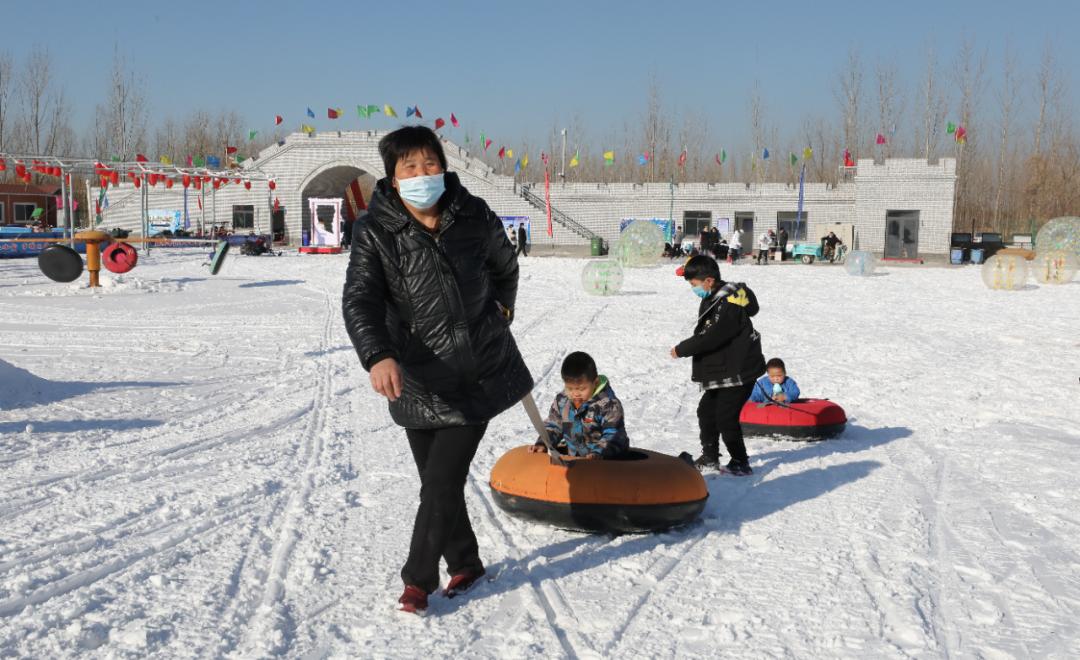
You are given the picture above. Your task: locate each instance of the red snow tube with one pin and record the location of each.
(120, 257)
(805, 419)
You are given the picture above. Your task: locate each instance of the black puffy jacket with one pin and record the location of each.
(725, 348)
(429, 301)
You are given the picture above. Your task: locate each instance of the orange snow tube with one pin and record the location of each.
(644, 491)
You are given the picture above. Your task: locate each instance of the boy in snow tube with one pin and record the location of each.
(586, 419)
(775, 385)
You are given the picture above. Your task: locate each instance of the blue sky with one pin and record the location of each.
(511, 69)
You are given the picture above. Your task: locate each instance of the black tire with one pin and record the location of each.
(807, 259)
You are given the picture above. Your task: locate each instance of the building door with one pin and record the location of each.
(744, 220)
(277, 225)
(902, 234)
(694, 222)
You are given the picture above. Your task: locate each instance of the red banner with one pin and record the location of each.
(547, 200)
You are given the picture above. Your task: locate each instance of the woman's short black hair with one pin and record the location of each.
(579, 366)
(700, 267)
(776, 363)
(400, 143)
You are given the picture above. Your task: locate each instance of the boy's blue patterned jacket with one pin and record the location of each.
(594, 428)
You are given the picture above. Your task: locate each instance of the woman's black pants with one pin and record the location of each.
(442, 526)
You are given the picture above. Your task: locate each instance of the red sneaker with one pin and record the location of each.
(462, 582)
(414, 600)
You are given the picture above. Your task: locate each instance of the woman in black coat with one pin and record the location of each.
(429, 297)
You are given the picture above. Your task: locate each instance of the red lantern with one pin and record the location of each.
(137, 181)
(198, 183)
(272, 184)
(151, 179)
(26, 178)
(217, 183)
(114, 177)
(237, 180)
(3, 165)
(186, 180)
(247, 185)
(168, 183)
(104, 182)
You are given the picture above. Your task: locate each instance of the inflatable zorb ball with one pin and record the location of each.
(1055, 267)
(861, 263)
(1059, 235)
(640, 244)
(602, 278)
(1007, 272)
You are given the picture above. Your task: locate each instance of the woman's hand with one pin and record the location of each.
(386, 378)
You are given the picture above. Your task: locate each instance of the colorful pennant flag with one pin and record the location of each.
(333, 113)
(525, 160)
(251, 135)
(880, 139)
(792, 158)
(439, 123)
(307, 128)
(961, 135)
(574, 162)
(848, 160)
(609, 158)
(807, 153)
(509, 153)
(213, 161)
(643, 159)
(409, 111)
(682, 158)
(278, 119)
(517, 166)
(950, 128)
(453, 120)
(502, 152)
(310, 113)
(487, 144)
(723, 156)
(139, 158)
(165, 160)
(230, 150)
(37, 213)
(388, 110)
(764, 154)
(543, 158)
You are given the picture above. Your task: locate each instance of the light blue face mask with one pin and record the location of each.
(700, 292)
(422, 192)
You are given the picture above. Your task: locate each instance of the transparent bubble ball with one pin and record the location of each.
(1055, 267)
(1059, 235)
(602, 277)
(640, 244)
(1007, 272)
(860, 262)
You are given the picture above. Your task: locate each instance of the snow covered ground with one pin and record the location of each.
(195, 466)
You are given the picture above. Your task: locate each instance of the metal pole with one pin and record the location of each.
(89, 200)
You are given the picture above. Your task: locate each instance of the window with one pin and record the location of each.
(23, 212)
(695, 221)
(2, 207)
(796, 228)
(243, 217)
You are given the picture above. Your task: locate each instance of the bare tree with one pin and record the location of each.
(849, 93)
(120, 126)
(969, 75)
(890, 104)
(757, 132)
(7, 67)
(656, 133)
(1007, 100)
(1048, 91)
(933, 108)
(43, 122)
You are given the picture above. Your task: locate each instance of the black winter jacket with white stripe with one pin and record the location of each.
(725, 348)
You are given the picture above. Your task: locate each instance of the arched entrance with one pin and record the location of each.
(348, 183)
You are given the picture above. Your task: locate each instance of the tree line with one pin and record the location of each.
(1018, 167)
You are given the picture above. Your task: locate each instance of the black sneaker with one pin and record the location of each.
(706, 462)
(737, 468)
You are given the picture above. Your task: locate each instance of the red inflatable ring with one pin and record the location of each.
(120, 257)
(804, 419)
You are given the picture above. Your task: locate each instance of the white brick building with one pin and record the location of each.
(902, 207)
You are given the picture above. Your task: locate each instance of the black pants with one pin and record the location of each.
(442, 527)
(763, 256)
(718, 415)
(522, 249)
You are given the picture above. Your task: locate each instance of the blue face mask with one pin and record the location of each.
(701, 292)
(422, 192)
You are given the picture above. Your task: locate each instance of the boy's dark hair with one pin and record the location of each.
(700, 267)
(776, 363)
(400, 143)
(579, 366)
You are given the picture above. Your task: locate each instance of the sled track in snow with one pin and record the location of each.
(271, 622)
